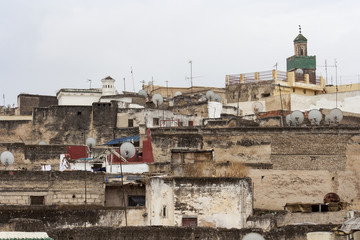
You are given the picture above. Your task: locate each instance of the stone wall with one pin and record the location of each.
(302, 164)
(249, 91)
(56, 188)
(174, 233)
(26, 102)
(213, 202)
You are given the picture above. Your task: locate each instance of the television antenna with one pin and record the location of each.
(315, 117)
(257, 107)
(157, 99)
(327, 119)
(7, 158)
(132, 77)
(297, 117)
(336, 115)
(210, 95)
(178, 93)
(127, 150)
(89, 80)
(143, 93)
(288, 120)
(217, 98)
(253, 236)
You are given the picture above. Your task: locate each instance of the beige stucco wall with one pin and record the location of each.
(215, 202)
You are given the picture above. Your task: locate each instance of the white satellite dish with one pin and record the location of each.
(217, 98)
(315, 117)
(210, 95)
(7, 158)
(253, 236)
(336, 115)
(127, 150)
(257, 107)
(143, 93)
(157, 99)
(288, 120)
(90, 142)
(297, 117)
(178, 93)
(299, 71)
(328, 119)
(42, 143)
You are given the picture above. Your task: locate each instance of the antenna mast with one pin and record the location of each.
(132, 77)
(124, 85)
(191, 79)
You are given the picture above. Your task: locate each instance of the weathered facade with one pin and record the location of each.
(203, 202)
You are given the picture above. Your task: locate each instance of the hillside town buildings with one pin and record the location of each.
(194, 163)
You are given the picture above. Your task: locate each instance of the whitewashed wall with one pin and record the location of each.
(347, 101)
(78, 99)
(214, 109)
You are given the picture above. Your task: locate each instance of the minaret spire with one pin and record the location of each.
(299, 29)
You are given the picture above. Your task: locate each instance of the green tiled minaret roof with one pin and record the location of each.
(300, 38)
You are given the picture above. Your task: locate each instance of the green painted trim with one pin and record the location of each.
(303, 62)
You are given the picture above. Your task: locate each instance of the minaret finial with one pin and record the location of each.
(300, 29)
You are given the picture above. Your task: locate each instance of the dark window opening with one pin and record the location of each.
(293, 89)
(254, 95)
(315, 93)
(164, 211)
(37, 200)
(97, 166)
(304, 91)
(181, 124)
(265, 95)
(155, 122)
(191, 123)
(79, 113)
(319, 208)
(189, 222)
(130, 122)
(136, 201)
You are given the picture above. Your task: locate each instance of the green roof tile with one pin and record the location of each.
(300, 38)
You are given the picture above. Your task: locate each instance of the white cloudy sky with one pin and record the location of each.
(46, 45)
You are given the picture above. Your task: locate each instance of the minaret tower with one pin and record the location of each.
(300, 44)
(108, 87)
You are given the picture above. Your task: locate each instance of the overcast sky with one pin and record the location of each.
(46, 45)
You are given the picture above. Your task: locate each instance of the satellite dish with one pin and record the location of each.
(288, 120)
(90, 142)
(7, 158)
(328, 119)
(336, 115)
(297, 117)
(257, 107)
(127, 149)
(253, 236)
(210, 95)
(143, 93)
(217, 98)
(42, 143)
(157, 99)
(315, 117)
(299, 71)
(178, 93)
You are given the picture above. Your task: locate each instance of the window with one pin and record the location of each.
(155, 121)
(315, 92)
(37, 200)
(164, 211)
(293, 89)
(191, 123)
(189, 222)
(130, 122)
(79, 113)
(265, 95)
(304, 91)
(136, 201)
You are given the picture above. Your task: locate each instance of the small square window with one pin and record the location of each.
(155, 121)
(191, 123)
(136, 201)
(37, 200)
(130, 122)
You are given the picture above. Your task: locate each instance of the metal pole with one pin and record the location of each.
(191, 80)
(281, 114)
(124, 85)
(167, 92)
(336, 84)
(122, 186)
